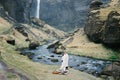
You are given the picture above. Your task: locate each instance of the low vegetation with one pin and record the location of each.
(33, 70)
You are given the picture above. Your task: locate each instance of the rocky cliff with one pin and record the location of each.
(62, 14)
(58, 13)
(18, 9)
(103, 23)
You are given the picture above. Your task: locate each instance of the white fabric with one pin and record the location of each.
(64, 64)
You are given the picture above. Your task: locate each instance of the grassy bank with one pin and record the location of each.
(37, 71)
(81, 45)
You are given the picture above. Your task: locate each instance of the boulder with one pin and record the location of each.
(112, 70)
(37, 22)
(33, 45)
(21, 29)
(95, 4)
(11, 41)
(53, 44)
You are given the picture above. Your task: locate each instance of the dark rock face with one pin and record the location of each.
(93, 26)
(62, 14)
(107, 31)
(111, 33)
(18, 9)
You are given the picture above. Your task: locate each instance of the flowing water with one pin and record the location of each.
(38, 9)
(89, 65)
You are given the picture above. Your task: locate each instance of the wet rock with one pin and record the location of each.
(112, 70)
(58, 51)
(95, 4)
(33, 45)
(51, 55)
(40, 57)
(12, 41)
(30, 54)
(54, 60)
(78, 65)
(83, 62)
(57, 47)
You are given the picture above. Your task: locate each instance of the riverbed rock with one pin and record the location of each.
(40, 57)
(54, 60)
(112, 70)
(51, 55)
(30, 55)
(95, 4)
(33, 45)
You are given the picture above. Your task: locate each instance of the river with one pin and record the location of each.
(43, 55)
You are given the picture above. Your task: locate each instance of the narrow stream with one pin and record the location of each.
(89, 65)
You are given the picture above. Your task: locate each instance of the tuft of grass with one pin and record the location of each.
(11, 76)
(114, 56)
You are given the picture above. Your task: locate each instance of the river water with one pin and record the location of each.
(89, 65)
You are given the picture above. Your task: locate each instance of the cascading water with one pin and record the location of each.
(38, 9)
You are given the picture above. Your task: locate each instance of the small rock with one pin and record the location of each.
(51, 55)
(39, 58)
(78, 65)
(33, 45)
(54, 60)
(30, 55)
(83, 62)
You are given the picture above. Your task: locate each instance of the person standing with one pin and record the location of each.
(64, 64)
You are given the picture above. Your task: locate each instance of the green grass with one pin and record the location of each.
(114, 56)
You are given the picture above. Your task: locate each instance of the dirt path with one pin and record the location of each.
(7, 73)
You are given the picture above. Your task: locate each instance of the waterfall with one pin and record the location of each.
(38, 9)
